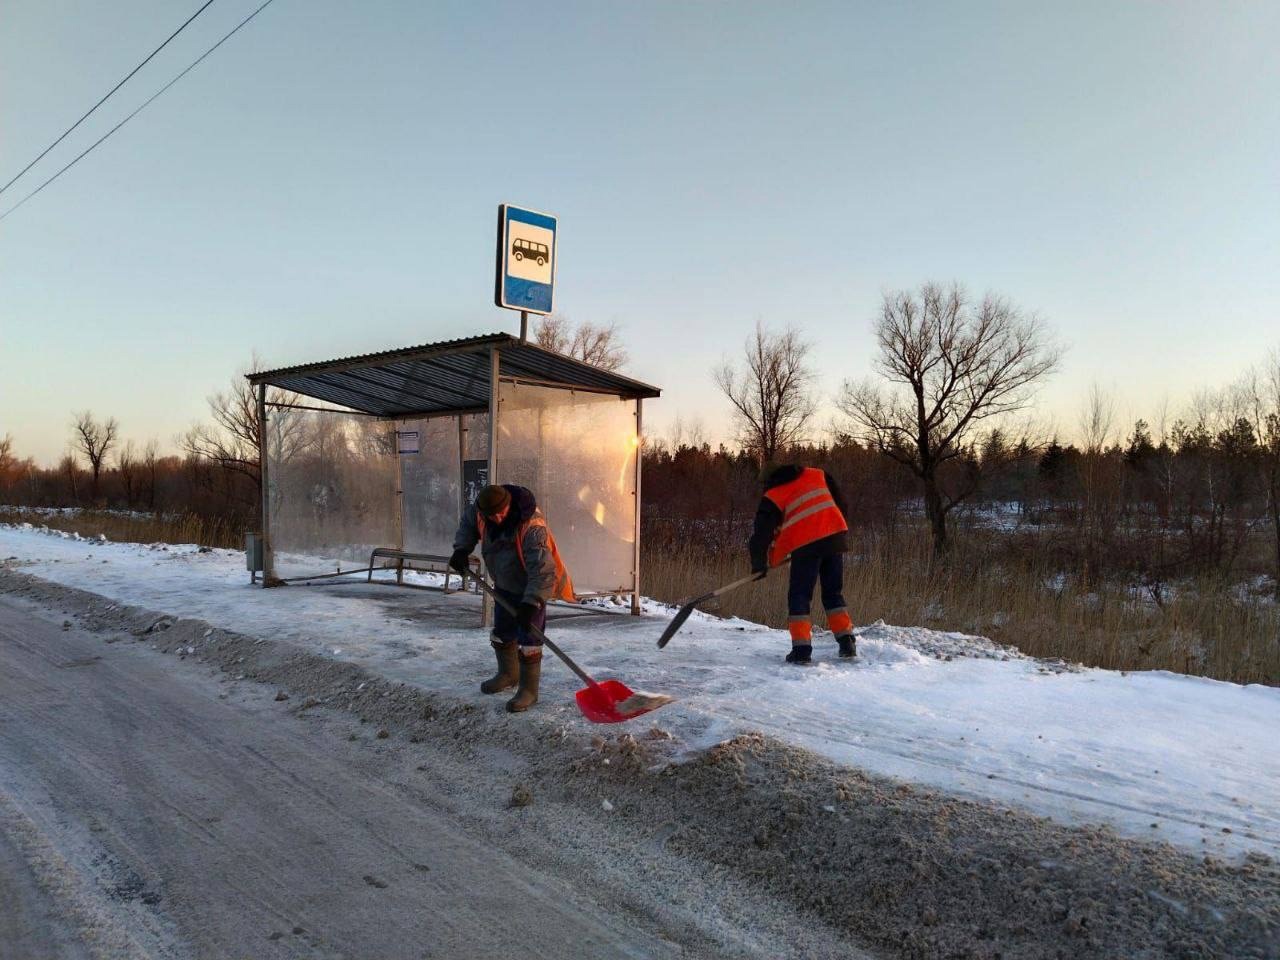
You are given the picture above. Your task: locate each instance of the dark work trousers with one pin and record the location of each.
(504, 623)
(807, 571)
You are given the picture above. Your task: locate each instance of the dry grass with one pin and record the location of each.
(1202, 629)
(134, 527)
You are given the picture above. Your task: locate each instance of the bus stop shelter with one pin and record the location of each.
(381, 452)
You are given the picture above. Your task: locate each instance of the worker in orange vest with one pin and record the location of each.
(802, 516)
(520, 556)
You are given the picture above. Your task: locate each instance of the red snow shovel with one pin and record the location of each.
(609, 702)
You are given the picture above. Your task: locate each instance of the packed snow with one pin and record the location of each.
(1157, 755)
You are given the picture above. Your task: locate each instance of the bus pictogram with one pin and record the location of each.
(538, 252)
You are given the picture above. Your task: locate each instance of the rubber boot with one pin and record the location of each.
(508, 674)
(848, 646)
(530, 674)
(801, 653)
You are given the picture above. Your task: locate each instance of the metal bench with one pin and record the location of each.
(400, 556)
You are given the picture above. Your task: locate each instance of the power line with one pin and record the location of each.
(144, 106)
(106, 98)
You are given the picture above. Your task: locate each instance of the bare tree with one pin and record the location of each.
(94, 441)
(950, 366)
(686, 433)
(1097, 419)
(150, 460)
(1262, 389)
(771, 391)
(8, 465)
(597, 345)
(1270, 433)
(67, 465)
(231, 440)
(127, 468)
(1099, 476)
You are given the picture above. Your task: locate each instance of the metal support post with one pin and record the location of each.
(495, 368)
(268, 555)
(462, 463)
(400, 497)
(524, 326)
(494, 387)
(462, 476)
(635, 559)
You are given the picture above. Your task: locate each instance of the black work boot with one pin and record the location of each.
(530, 673)
(801, 653)
(848, 646)
(508, 674)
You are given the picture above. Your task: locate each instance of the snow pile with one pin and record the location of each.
(1157, 755)
(80, 511)
(941, 645)
(61, 534)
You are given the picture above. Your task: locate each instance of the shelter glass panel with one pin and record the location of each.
(477, 435)
(576, 451)
(432, 486)
(332, 484)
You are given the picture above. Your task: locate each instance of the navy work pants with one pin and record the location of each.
(806, 572)
(504, 623)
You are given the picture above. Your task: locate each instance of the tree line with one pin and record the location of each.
(934, 435)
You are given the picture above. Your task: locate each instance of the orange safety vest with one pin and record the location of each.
(563, 589)
(808, 513)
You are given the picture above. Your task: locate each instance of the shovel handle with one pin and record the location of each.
(729, 587)
(539, 635)
(688, 606)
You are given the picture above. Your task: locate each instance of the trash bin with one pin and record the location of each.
(253, 553)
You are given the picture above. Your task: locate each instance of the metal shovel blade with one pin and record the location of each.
(687, 608)
(678, 621)
(599, 703)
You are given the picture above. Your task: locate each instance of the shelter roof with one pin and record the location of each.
(447, 377)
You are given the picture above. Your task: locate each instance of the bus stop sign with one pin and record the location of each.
(526, 271)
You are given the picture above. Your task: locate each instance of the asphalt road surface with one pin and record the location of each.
(145, 811)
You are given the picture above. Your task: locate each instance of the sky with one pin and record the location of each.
(326, 184)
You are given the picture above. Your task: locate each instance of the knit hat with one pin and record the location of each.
(492, 499)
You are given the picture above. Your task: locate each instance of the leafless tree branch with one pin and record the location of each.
(599, 346)
(231, 439)
(770, 391)
(94, 440)
(950, 365)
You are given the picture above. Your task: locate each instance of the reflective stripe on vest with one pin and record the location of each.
(563, 589)
(809, 513)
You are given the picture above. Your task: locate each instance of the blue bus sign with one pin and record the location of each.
(526, 271)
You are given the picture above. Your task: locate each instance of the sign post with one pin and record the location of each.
(525, 272)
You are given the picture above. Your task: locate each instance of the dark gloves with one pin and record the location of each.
(525, 614)
(759, 565)
(459, 561)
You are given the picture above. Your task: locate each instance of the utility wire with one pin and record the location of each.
(146, 104)
(106, 98)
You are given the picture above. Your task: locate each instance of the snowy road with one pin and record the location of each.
(1194, 757)
(147, 811)
(156, 794)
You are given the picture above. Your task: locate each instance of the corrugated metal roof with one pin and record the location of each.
(441, 377)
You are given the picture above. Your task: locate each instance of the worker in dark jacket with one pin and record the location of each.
(802, 515)
(521, 558)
